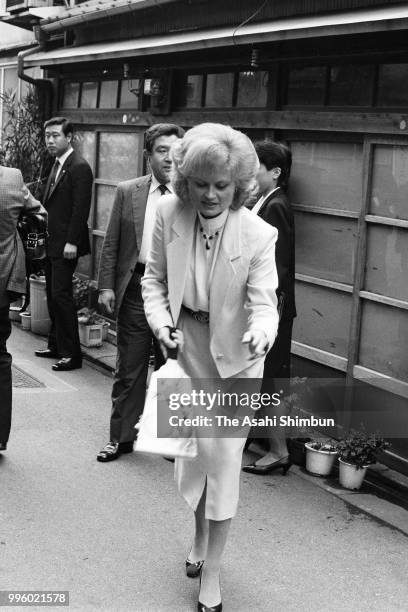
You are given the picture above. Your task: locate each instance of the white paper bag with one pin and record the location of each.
(181, 441)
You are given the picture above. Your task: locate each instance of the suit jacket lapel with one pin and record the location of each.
(178, 257)
(225, 266)
(271, 197)
(139, 202)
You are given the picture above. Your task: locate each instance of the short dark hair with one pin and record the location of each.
(275, 155)
(161, 129)
(67, 126)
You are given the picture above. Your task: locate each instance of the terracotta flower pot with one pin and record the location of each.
(350, 477)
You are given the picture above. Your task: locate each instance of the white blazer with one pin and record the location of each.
(243, 287)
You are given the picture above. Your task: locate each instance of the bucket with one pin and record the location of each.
(319, 462)
(25, 320)
(350, 477)
(40, 319)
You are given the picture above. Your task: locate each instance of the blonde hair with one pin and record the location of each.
(209, 146)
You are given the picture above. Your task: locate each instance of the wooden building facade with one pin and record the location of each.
(331, 82)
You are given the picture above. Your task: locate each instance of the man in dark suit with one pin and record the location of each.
(274, 207)
(67, 198)
(15, 199)
(122, 265)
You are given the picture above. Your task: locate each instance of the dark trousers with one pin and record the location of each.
(134, 342)
(63, 337)
(276, 375)
(5, 375)
(277, 361)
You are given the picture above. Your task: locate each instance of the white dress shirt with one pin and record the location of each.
(62, 159)
(261, 200)
(153, 200)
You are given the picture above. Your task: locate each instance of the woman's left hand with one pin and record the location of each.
(257, 342)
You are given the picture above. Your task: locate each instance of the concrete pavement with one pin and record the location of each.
(116, 535)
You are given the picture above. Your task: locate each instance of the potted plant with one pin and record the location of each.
(320, 457)
(357, 451)
(84, 292)
(90, 326)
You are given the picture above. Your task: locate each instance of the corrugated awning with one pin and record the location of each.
(355, 22)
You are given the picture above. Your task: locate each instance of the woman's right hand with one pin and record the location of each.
(170, 339)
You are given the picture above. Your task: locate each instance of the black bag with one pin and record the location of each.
(33, 233)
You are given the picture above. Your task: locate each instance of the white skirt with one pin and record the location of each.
(219, 459)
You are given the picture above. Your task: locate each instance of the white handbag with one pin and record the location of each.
(181, 441)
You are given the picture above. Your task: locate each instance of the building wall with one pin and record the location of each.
(345, 117)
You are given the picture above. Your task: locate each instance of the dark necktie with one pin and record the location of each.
(53, 173)
(163, 189)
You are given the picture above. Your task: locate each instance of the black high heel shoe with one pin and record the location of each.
(203, 608)
(193, 570)
(284, 464)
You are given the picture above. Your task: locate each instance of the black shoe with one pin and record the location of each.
(283, 464)
(3, 446)
(47, 352)
(67, 363)
(193, 570)
(203, 608)
(113, 450)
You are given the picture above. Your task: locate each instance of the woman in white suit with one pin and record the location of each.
(211, 272)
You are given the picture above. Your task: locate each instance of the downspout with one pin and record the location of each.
(43, 86)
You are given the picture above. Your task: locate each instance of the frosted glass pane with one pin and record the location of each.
(89, 95)
(384, 340)
(10, 80)
(326, 246)
(219, 89)
(307, 86)
(252, 89)
(194, 90)
(84, 265)
(119, 155)
(389, 189)
(109, 94)
(393, 85)
(387, 261)
(127, 98)
(327, 174)
(85, 145)
(104, 200)
(351, 85)
(323, 318)
(70, 97)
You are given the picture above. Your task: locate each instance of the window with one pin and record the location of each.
(89, 95)
(351, 85)
(108, 94)
(252, 89)
(307, 86)
(70, 95)
(219, 90)
(128, 98)
(393, 85)
(222, 90)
